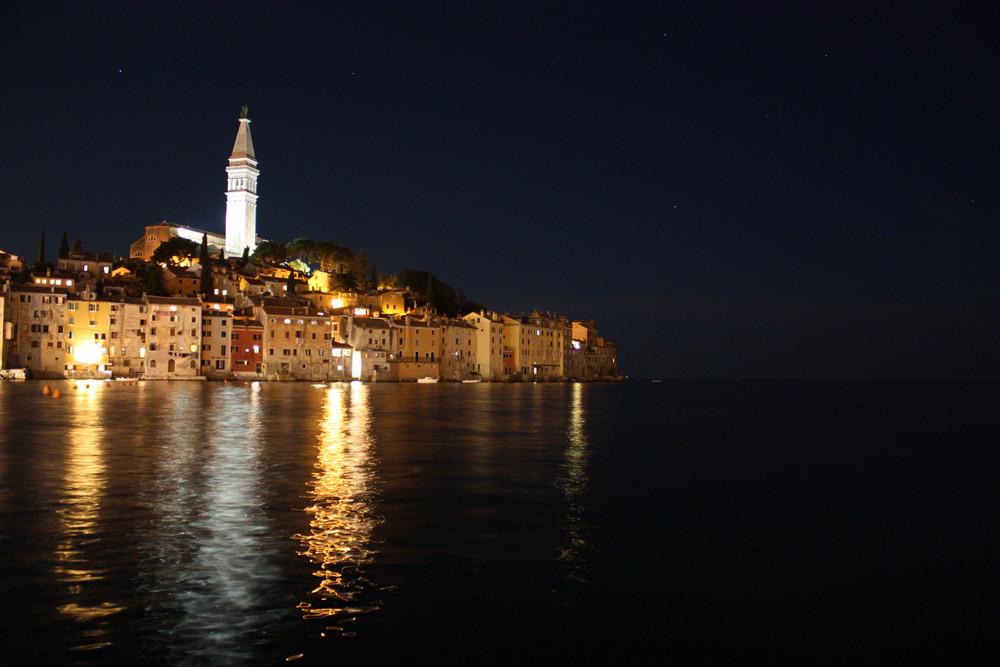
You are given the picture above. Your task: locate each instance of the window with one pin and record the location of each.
(220, 364)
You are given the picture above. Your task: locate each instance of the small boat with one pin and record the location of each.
(427, 380)
(470, 381)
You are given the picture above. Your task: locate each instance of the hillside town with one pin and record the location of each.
(191, 304)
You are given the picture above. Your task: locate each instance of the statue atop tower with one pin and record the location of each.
(241, 192)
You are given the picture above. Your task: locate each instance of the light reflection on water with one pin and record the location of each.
(342, 511)
(206, 564)
(79, 514)
(573, 484)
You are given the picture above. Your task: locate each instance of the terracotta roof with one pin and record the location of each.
(173, 301)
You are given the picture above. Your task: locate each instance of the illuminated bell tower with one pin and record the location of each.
(241, 193)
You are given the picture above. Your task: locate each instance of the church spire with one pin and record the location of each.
(241, 192)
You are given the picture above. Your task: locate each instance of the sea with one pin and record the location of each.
(673, 522)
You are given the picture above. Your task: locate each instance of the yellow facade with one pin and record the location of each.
(88, 333)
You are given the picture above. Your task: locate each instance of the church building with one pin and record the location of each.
(241, 207)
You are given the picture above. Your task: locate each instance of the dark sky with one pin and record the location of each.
(730, 189)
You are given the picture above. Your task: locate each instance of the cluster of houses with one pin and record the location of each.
(88, 317)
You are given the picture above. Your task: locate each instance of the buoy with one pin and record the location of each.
(57, 394)
(46, 390)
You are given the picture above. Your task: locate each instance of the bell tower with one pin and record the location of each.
(241, 192)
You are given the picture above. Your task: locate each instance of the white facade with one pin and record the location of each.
(241, 193)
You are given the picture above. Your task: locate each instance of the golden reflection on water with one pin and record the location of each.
(573, 484)
(342, 511)
(79, 513)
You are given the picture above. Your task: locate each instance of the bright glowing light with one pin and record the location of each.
(337, 303)
(356, 367)
(189, 234)
(88, 353)
(287, 321)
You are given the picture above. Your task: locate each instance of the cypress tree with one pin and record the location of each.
(64, 247)
(205, 287)
(41, 249)
(290, 286)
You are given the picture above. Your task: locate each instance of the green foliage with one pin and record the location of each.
(332, 257)
(429, 290)
(301, 250)
(175, 247)
(300, 266)
(271, 251)
(41, 250)
(205, 283)
(152, 278)
(342, 282)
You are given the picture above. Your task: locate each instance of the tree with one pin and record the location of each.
(152, 279)
(437, 294)
(333, 257)
(302, 249)
(360, 270)
(205, 284)
(291, 284)
(64, 247)
(246, 256)
(175, 247)
(77, 250)
(271, 251)
(41, 249)
(342, 282)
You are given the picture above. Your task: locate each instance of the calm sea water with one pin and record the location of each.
(207, 523)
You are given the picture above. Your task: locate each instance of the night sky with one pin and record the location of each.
(730, 189)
